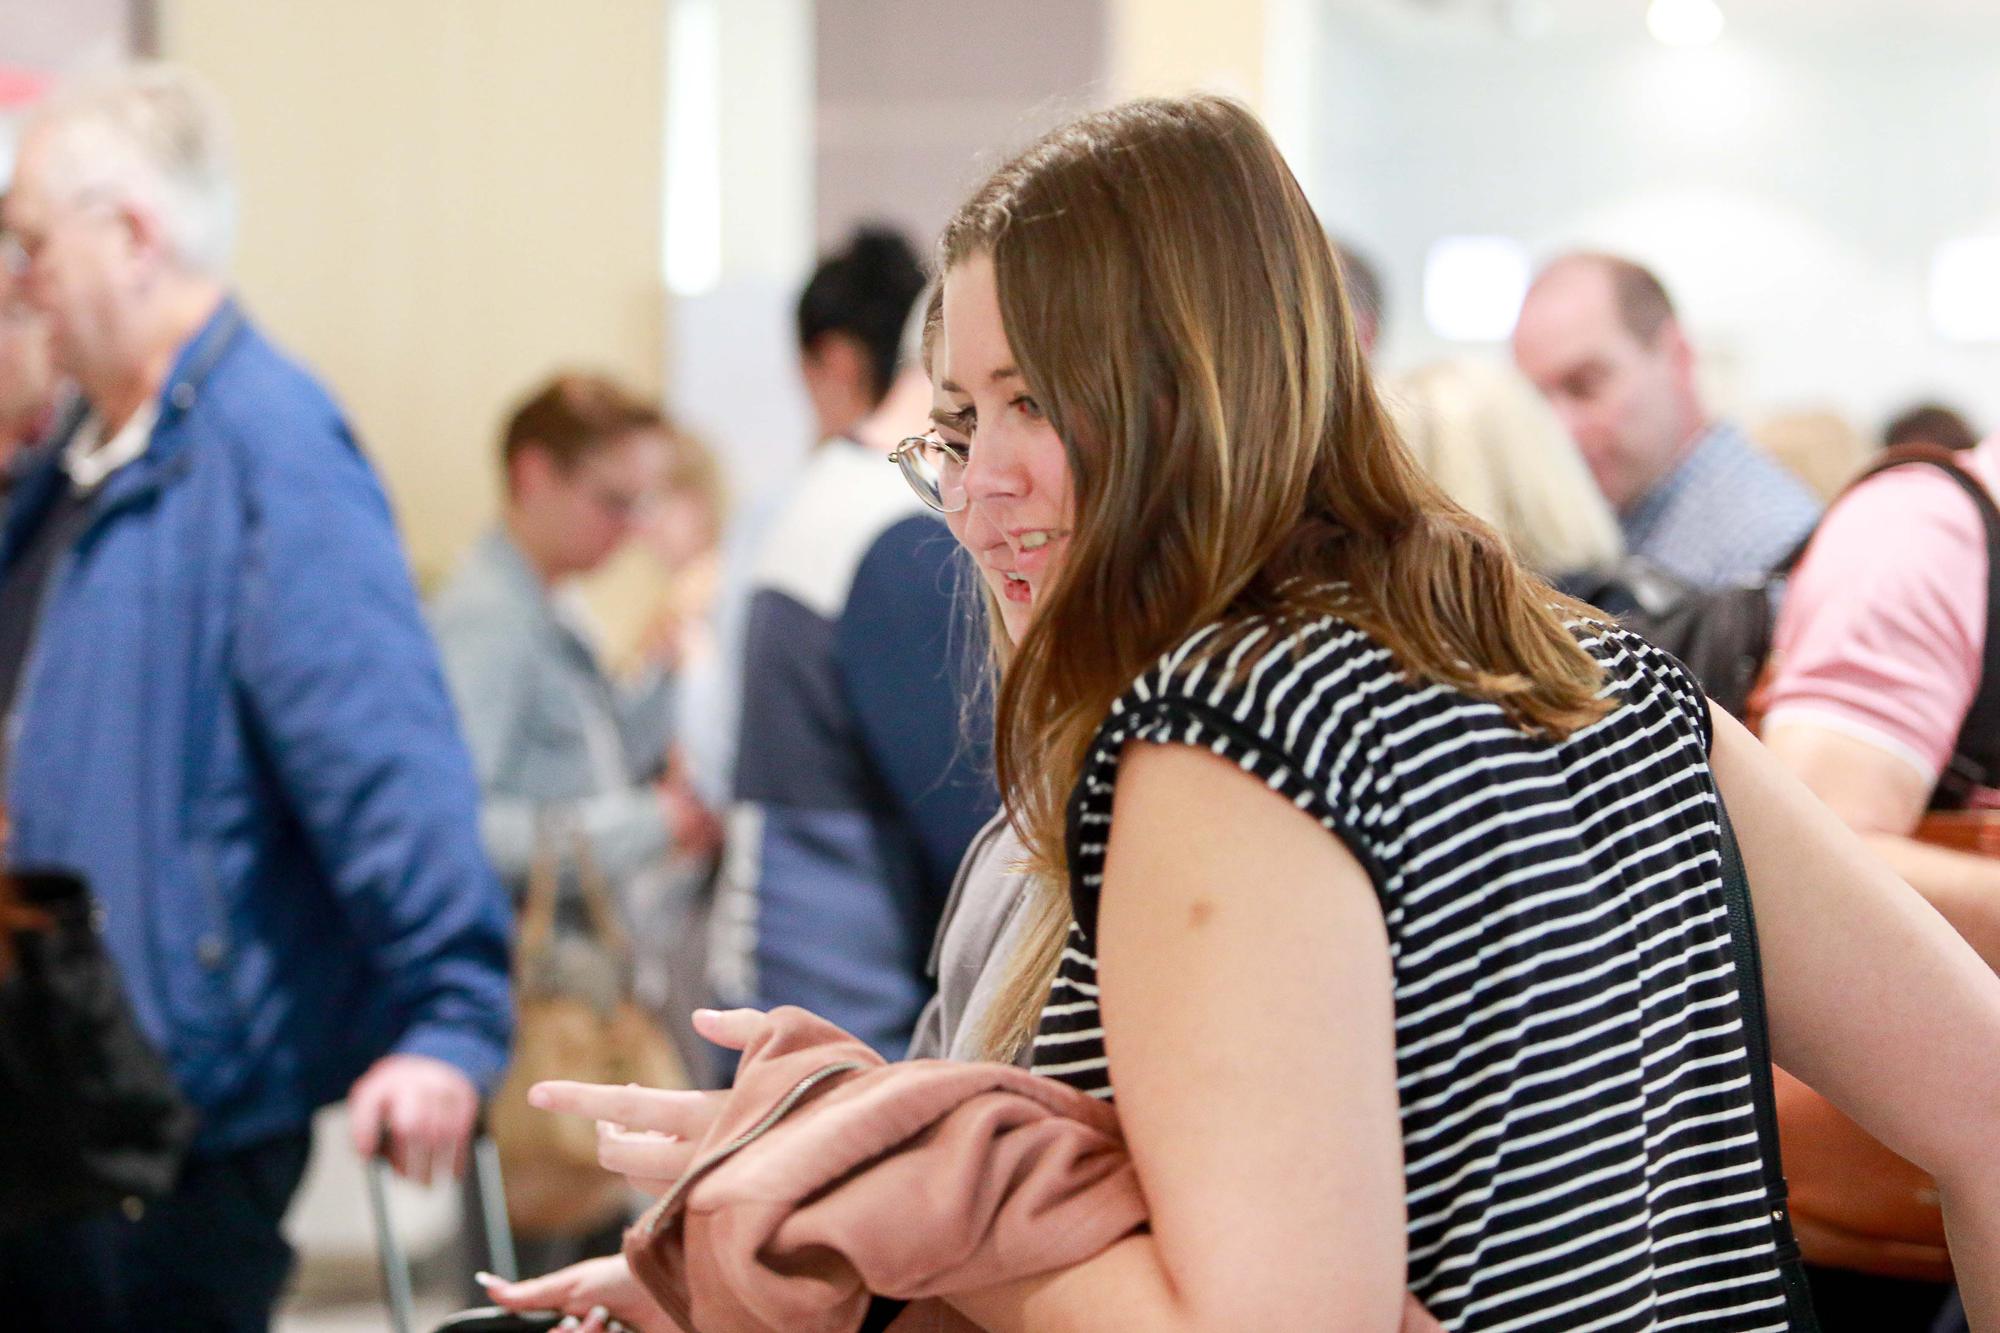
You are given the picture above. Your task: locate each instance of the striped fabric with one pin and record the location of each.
(1578, 1138)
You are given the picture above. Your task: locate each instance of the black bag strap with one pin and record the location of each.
(1975, 754)
(1756, 1036)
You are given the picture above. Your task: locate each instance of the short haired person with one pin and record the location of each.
(550, 726)
(225, 711)
(1600, 338)
(564, 744)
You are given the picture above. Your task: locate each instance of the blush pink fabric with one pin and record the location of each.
(910, 1180)
(1883, 628)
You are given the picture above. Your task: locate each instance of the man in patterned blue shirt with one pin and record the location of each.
(1599, 337)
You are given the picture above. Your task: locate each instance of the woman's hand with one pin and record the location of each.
(594, 1293)
(648, 1135)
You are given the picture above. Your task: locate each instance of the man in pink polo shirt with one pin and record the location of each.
(1877, 663)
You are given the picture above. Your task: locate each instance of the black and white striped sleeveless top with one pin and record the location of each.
(1579, 1145)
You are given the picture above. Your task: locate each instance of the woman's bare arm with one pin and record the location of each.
(1249, 1014)
(1874, 999)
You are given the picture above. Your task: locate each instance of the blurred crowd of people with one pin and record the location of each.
(309, 805)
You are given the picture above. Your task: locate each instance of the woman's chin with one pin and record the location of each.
(1016, 616)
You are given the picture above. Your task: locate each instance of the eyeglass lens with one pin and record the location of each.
(934, 472)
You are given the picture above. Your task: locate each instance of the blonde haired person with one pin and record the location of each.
(1493, 444)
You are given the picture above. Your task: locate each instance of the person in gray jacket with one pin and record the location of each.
(551, 729)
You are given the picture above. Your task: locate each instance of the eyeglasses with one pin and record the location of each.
(935, 469)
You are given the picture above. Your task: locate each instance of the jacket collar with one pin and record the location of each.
(190, 373)
(44, 479)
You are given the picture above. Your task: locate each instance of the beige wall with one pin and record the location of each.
(442, 201)
(1163, 47)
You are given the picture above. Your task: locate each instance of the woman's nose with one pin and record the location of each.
(990, 472)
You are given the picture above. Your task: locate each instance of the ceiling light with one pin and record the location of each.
(1685, 22)
(1473, 287)
(1965, 289)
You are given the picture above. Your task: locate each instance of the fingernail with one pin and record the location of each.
(706, 1013)
(599, 1312)
(537, 1097)
(571, 1322)
(486, 1279)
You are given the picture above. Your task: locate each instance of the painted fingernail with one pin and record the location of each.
(486, 1279)
(571, 1322)
(599, 1312)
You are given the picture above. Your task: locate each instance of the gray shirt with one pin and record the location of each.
(549, 729)
(982, 927)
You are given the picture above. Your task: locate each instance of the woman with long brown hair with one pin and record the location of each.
(1404, 946)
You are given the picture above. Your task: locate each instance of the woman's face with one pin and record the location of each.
(583, 515)
(1017, 517)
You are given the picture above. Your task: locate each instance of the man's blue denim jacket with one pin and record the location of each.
(232, 721)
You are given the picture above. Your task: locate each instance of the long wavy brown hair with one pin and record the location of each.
(1172, 302)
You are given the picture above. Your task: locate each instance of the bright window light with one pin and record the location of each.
(1685, 22)
(694, 148)
(1473, 287)
(1965, 289)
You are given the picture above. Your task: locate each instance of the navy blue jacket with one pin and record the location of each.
(860, 777)
(233, 723)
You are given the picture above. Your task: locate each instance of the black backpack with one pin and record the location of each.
(1724, 634)
(89, 1116)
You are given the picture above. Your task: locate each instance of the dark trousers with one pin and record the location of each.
(208, 1258)
(1868, 1303)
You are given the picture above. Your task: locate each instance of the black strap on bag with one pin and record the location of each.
(1750, 986)
(1975, 753)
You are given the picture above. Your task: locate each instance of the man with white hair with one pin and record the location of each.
(223, 709)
